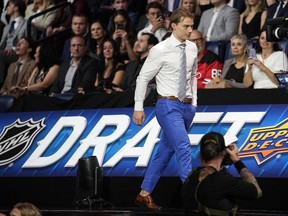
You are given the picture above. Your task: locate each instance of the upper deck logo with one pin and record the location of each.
(264, 143)
(16, 138)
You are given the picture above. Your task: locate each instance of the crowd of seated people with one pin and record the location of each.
(109, 44)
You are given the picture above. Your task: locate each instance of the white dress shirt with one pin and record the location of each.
(158, 34)
(163, 62)
(276, 62)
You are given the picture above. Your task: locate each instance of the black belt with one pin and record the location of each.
(186, 100)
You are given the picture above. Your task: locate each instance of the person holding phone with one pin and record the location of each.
(156, 21)
(123, 32)
(209, 188)
(260, 71)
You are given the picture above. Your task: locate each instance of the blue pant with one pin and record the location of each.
(175, 119)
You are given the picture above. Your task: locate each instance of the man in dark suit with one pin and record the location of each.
(12, 33)
(77, 75)
(141, 47)
(79, 26)
(278, 9)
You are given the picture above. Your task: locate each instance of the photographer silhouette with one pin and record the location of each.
(210, 189)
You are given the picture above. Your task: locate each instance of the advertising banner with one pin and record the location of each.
(50, 143)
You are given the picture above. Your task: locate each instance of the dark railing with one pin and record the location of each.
(29, 22)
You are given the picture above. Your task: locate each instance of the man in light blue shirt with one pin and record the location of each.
(174, 116)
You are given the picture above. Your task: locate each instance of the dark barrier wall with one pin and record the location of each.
(60, 191)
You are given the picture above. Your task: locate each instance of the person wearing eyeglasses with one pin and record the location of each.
(209, 64)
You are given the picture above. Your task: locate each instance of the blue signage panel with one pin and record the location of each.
(50, 143)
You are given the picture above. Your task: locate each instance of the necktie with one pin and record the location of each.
(15, 76)
(11, 29)
(280, 10)
(182, 74)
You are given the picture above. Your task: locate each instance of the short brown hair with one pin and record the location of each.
(179, 14)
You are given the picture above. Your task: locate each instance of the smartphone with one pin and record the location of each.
(252, 53)
(120, 26)
(160, 16)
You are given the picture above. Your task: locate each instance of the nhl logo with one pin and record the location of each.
(16, 139)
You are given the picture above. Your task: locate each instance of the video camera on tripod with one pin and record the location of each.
(276, 29)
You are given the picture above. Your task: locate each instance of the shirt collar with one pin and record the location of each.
(174, 40)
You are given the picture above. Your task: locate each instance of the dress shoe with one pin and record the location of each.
(147, 202)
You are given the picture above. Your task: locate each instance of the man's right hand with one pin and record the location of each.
(138, 117)
(233, 152)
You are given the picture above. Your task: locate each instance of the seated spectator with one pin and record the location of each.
(210, 188)
(192, 7)
(156, 22)
(260, 71)
(12, 33)
(63, 18)
(123, 32)
(234, 68)
(143, 21)
(112, 68)
(209, 64)
(124, 5)
(141, 47)
(98, 33)
(277, 9)
(25, 209)
(45, 72)
(252, 19)
(79, 26)
(62, 23)
(4, 17)
(219, 22)
(40, 23)
(77, 75)
(20, 71)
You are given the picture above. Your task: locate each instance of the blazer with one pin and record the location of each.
(272, 9)
(225, 26)
(19, 32)
(23, 76)
(84, 76)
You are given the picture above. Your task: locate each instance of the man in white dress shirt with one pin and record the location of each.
(156, 21)
(174, 115)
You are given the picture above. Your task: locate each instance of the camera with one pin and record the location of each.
(227, 160)
(276, 29)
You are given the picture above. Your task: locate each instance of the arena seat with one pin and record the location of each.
(283, 45)
(217, 47)
(6, 102)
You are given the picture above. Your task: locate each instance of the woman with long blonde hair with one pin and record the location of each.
(193, 7)
(252, 19)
